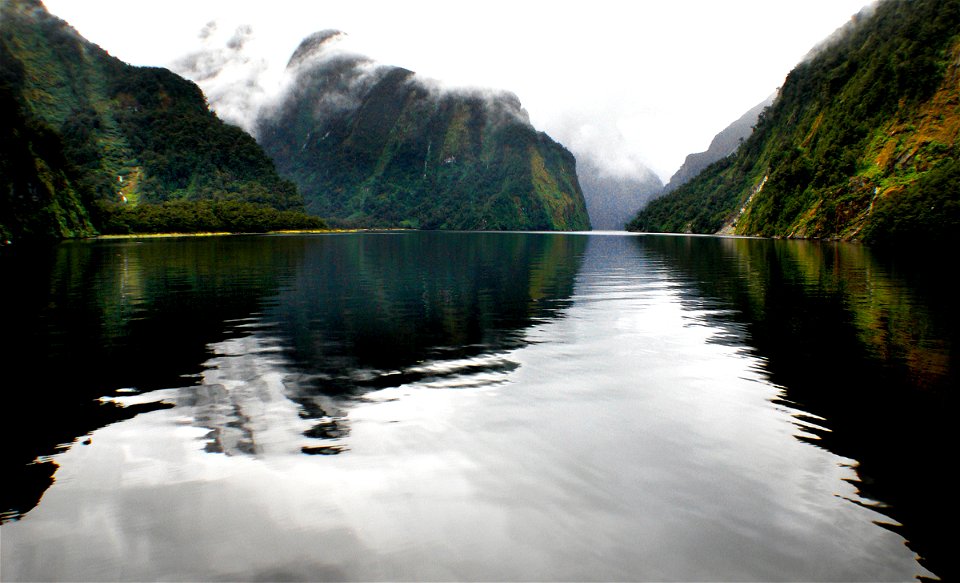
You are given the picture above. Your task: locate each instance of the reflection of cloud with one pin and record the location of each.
(600, 432)
(252, 402)
(244, 400)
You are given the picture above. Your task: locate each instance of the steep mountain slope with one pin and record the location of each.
(861, 142)
(723, 144)
(40, 192)
(613, 200)
(88, 132)
(376, 146)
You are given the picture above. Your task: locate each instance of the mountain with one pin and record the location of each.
(722, 145)
(373, 145)
(860, 144)
(613, 200)
(88, 139)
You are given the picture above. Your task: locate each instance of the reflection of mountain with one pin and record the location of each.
(411, 309)
(322, 316)
(408, 301)
(87, 319)
(857, 345)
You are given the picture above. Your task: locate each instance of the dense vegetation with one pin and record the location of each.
(42, 194)
(88, 132)
(374, 146)
(861, 142)
(201, 216)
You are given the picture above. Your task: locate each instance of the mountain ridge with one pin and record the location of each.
(376, 145)
(722, 145)
(861, 143)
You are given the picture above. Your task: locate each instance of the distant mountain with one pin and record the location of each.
(86, 134)
(722, 145)
(861, 142)
(373, 145)
(613, 200)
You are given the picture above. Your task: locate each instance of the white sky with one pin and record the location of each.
(622, 81)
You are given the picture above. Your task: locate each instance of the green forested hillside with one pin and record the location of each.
(88, 138)
(860, 144)
(43, 195)
(375, 146)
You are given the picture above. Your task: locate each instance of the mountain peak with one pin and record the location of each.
(723, 144)
(315, 44)
(376, 145)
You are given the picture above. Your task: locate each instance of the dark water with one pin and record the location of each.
(443, 406)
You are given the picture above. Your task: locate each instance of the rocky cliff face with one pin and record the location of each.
(372, 145)
(861, 142)
(87, 130)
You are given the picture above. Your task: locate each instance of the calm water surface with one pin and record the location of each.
(451, 406)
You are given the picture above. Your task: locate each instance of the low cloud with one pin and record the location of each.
(328, 68)
(598, 143)
(234, 79)
(842, 32)
(208, 30)
(242, 87)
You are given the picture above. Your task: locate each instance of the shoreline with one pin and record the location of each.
(222, 234)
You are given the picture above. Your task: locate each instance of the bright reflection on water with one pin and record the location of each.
(485, 407)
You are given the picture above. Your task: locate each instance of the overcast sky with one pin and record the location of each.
(626, 82)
